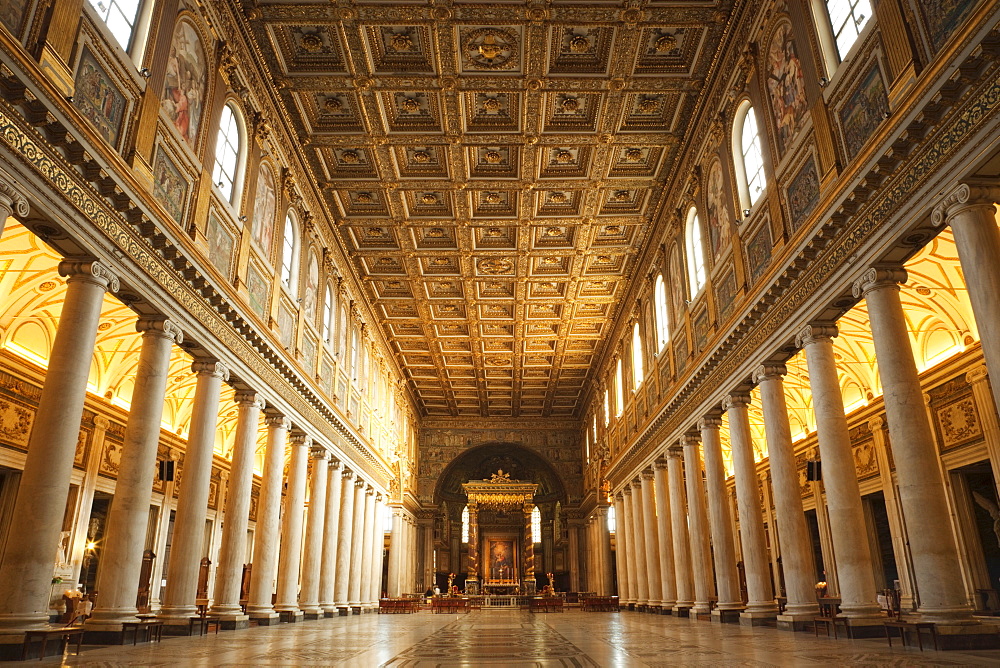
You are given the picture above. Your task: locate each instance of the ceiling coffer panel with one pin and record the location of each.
(493, 171)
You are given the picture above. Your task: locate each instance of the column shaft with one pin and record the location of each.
(357, 545)
(395, 553)
(312, 558)
(621, 559)
(37, 516)
(921, 485)
(679, 526)
(345, 530)
(367, 546)
(759, 589)
(188, 548)
(232, 554)
(855, 573)
(797, 560)
(664, 535)
(701, 548)
(573, 540)
(651, 539)
(631, 551)
(723, 542)
(290, 555)
(639, 536)
(331, 525)
(265, 539)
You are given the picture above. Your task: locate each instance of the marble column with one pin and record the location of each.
(37, 517)
(761, 605)
(396, 553)
(162, 529)
(290, 554)
(621, 558)
(345, 530)
(233, 553)
(978, 379)
(312, 556)
(605, 585)
(124, 539)
(328, 569)
(639, 534)
(970, 210)
(679, 527)
(651, 539)
(727, 579)
(921, 485)
(266, 533)
(188, 548)
(357, 546)
(701, 547)
(428, 547)
(367, 543)
(664, 536)
(378, 551)
(573, 546)
(797, 560)
(11, 201)
(855, 572)
(631, 549)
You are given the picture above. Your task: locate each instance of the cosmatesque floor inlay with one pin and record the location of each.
(515, 639)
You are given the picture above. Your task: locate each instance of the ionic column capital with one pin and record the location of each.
(300, 438)
(661, 462)
(647, 474)
(359, 484)
(735, 400)
(162, 327)
(11, 200)
(369, 490)
(211, 367)
(879, 278)
(675, 451)
(637, 482)
(346, 473)
(690, 439)
(335, 464)
(318, 452)
(709, 423)
(769, 371)
(627, 489)
(814, 334)
(249, 399)
(618, 496)
(876, 423)
(977, 374)
(89, 270)
(964, 196)
(278, 422)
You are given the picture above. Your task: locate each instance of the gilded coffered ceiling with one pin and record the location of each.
(493, 170)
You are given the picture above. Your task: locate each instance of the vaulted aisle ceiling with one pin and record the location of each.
(494, 170)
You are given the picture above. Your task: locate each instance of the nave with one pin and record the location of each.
(515, 640)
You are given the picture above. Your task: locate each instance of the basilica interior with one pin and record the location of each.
(684, 311)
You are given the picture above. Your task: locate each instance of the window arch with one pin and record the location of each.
(662, 313)
(695, 247)
(638, 373)
(228, 152)
(619, 393)
(748, 158)
(328, 311)
(290, 253)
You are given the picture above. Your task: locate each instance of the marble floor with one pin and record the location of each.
(515, 640)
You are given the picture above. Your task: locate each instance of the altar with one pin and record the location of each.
(501, 562)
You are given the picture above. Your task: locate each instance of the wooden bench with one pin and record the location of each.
(599, 604)
(204, 624)
(546, 604)
(397, 605)
(152, 627)
(449, 605)
(65, 634)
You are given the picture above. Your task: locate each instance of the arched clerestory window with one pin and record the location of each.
(619, 392)
(695, 247)
(328, 311)
(228, 153)
(847, 19)
(662, 313)
(748, 157)
(127, 21)
(290, 253)
(638, 373)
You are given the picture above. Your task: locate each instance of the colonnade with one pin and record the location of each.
(402, 572)
(675, 512)
(323, 559)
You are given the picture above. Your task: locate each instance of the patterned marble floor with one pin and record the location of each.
(517, 640)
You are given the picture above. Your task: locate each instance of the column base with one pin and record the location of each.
(966, 636)
(701, 608)
(758, 617)
(727, 616)
(313, 616)
(795, 623)
(681, 610)
(343, 610)
(291, 616)
(234, 622)
(265, 618)
(355, 609)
